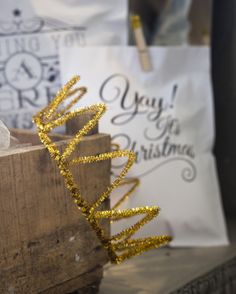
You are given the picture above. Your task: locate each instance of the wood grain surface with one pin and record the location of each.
(46, 245)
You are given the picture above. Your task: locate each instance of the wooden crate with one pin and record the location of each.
(46, 245)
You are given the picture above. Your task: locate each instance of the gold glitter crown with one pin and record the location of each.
(119, 246)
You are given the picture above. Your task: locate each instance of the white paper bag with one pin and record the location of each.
(166, 118)
(31, 32)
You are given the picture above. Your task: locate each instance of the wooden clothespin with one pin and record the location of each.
(144, 56)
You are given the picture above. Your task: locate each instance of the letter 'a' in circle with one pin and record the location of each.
(23, 71)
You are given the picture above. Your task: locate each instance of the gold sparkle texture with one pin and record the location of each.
(119, 246)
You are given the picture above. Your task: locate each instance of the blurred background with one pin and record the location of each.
(175, 22)
(203, 22)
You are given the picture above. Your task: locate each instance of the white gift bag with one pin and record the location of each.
(166, 118)
(31, 32)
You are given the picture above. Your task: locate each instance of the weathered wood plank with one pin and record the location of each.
(45, 241)
(73, 125)
(204, 270)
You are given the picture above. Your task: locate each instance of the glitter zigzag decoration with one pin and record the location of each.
(120, 246)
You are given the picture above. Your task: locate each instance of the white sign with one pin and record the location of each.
(166, 118)
(32, 31)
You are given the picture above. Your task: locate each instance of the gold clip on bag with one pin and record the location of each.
(120, 246)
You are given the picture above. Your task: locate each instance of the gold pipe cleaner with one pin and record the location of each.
(119, 246)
